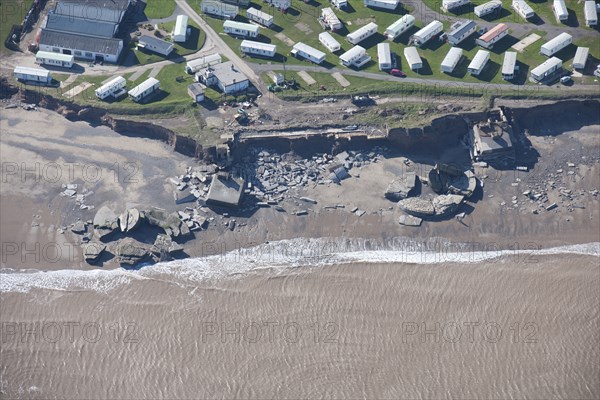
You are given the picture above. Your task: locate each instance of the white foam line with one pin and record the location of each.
(292, 253)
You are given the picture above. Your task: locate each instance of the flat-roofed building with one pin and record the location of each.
(556, 44)
(546, 69)
(560, 10)
(355, 57)
(413, 58)
(451, 60)
(460, 30)
(155, 45)
(54, 59)
(489, 8)
(479, 62)
(329, 41)
(493, 36)
(581, 57)
(81, 47)
(362, 33)
(590, 13)
(400, 26)
(426, 33)
(384, 56)
(144, 89)
(196, 92)
(180, 29)
(260, 17)
(225, 76)
(240, 29)
(307, 52)
(258, 48)
(509, 65)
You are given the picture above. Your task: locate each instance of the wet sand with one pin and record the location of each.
(498, 329)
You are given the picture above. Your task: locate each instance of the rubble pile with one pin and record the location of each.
(400, 188)
(271, 176)
(445, 178)
(440, 206)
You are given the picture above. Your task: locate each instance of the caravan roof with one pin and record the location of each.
(181, 25)
(510, 62)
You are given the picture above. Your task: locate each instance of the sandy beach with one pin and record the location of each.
(41, 151)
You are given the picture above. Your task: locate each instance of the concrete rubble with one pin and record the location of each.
(92, 250)
(130, 252)
(400, 188)
(439, 206)
(409, 220)
(164, 245)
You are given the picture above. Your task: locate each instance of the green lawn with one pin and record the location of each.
(159, 8)
(300, 24)
(11, 13)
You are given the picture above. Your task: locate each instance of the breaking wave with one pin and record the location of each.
(281, 255)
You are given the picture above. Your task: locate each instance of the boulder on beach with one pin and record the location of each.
(130, 252)
(400, 188)
(129, 220)
(165, 245)
(105, 222)
(92, 250)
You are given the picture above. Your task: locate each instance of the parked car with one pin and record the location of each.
(397, 72)
(565, 79)
(482, 31)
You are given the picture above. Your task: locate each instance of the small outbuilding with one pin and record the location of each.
(196, 92)
(225, 191)
(155, 45)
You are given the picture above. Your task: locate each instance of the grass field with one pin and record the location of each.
(159, 8)
(11, 13)
(300, 24)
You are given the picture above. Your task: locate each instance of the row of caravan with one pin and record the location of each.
(116, 87)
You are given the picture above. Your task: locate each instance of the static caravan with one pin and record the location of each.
(547, 68)
(310, 53)
(581, 57)
(27, 74)
(362, 33)
(560, 10)
(277, 78)
(452, 59)
(478, 63)
(259, 17)
(413, 58)
(240, 29)
(385, 4)
(384, 56)
(155, 45)
(331, 20)
(340, 4)
(399, 27)
(329, 41)
(523, 9)
(460, 30)
(218, 9)
(114, 88)
(281, 5)
(488, 39)
(355, 57)
(590, 12)
(258, 48)
(509, 65)
(181, 28)
(56, 59)
(144, 89)
(449, 5)
(426, 33)
(194, 66)
(557, 44)
(488, 8)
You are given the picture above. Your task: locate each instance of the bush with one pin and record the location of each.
(230, 99)
(242, 98)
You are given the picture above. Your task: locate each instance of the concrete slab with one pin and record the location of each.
(306, 77)
(341, 80)
(77, 89)
(520, 46)
(285, 39)
(136, 75)
(155, 71)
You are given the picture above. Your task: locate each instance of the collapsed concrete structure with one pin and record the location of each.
(225, 191)
(493, 138)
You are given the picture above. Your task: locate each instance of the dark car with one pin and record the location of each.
(397, 72)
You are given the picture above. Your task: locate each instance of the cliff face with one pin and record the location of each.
(99, 116)
(443, 132)
(556, 118)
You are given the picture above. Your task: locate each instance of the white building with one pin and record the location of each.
(590, 12)
(181, 29)
(55, 59)
(560, 10)
(384, 56)
(309, 53)
(385, 4)
(355, 57)
(242, 29)
(491, 37)
(400, 26)
(144, 89)
(329, 41)
(523, 9)
(490, 7)
(339, 4)
(362, 33)
(196, 92)
(218, 9)
(460, 30)
(260, 17)
(581, 57)
(281, 5)
(114, 88)
(258, 48)
(449, 5)
(225, 77)
(331, 20)
(155, 45)
(556, 44)
(413, 58)
(479, 62)
(547, 68)
(26, 74)
(451, 60)
(509, 65)
(82, 47)
(426, 33)
(193, 66)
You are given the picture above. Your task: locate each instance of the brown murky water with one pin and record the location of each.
(507, 327)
